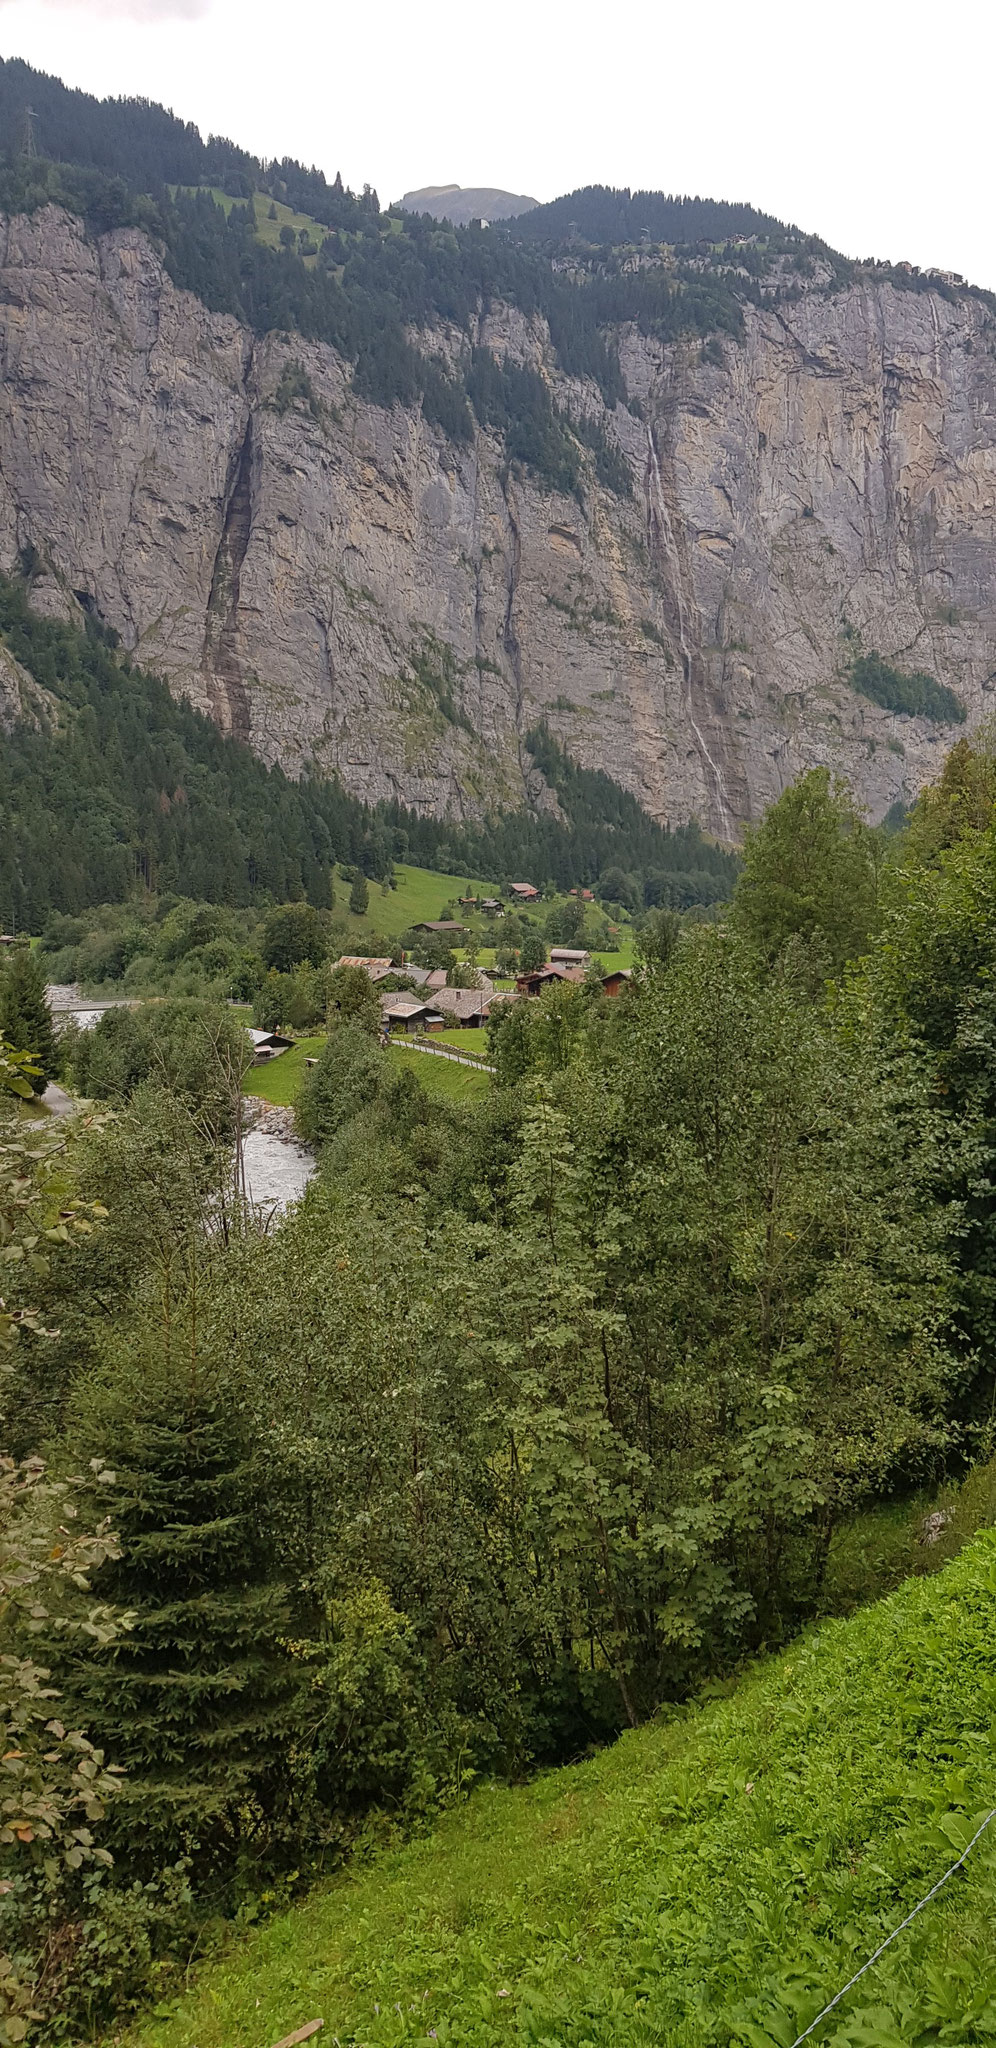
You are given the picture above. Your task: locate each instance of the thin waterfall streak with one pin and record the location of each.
(661, 518)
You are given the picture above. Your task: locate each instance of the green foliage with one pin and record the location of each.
(916, 695)
(532, 950)
(717, 1877)
(25, 1017)
(196, 1698)
(352, 998)
(373, 1729)
(600, 213)
(56, 1787)
(359, 896)
(129, 790)
(199, 1052)
(292, 934)
(349, 1075)
(810, 874)
(934, 975)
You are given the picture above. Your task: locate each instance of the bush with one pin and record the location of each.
(196, 1050)
(350, 1074)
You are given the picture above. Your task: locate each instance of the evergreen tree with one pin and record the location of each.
(195, 1700)
(25, 1017)
(359, 896)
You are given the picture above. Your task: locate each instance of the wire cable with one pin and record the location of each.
(890, 1938)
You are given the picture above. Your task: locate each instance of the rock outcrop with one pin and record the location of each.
(340, 585)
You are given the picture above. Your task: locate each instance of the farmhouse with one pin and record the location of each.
(466, 1006)
(267, 1045)
(443, 927)
(539, 978)
(569, 956)
(614, 982)
(406, 1013)
(524, 892)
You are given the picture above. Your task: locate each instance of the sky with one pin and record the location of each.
(866, 122)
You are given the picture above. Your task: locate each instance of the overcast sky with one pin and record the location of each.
(868, 122)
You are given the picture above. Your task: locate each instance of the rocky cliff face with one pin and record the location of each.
(340, 585)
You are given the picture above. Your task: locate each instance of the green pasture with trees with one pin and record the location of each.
(548, 1411)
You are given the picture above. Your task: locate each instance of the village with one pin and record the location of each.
(418, 1001)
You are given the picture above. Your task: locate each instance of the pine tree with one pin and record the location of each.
(196, 1700)
(359, 896)
(25, 1017)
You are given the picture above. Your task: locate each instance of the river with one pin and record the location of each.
(277, 1171)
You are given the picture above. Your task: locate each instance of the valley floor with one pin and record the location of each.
(713, 1878)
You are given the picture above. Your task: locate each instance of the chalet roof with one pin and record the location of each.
(463, 1002)
(553, 971)
(569, 956)
(404, 1006)
(523, 889)
(379, 966)
(259, 1039)
(439, 924)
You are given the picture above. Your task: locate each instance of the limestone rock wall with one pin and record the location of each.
(338, 584)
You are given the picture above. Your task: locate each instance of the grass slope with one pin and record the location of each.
(446, 1078)
(280, 1081)
(714, 1878)
(422, 893)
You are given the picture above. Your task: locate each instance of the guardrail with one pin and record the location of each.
(418, 1042)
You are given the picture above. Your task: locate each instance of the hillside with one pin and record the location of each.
(715, 1878)
(108, 785)
(380, 494)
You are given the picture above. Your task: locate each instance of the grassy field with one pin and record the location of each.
(445, 1077)
(268, 230)
(280, 1081)
(421, 894)
(474, 1040)
(713, 1879)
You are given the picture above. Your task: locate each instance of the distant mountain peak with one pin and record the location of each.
(463, 203)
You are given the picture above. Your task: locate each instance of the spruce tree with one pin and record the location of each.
(359, 895)
(25, 1017)
(196, 1700)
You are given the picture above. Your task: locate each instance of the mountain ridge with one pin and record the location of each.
(382, 505)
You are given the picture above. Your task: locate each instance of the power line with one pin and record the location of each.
(890, 1938)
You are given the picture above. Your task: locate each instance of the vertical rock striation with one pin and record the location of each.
(338, 585)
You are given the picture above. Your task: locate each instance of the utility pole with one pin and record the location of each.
(29, 148)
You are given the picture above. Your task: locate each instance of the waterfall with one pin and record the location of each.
(660, 520)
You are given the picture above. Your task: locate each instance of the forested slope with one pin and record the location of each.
(117, 788)
(713, 1879)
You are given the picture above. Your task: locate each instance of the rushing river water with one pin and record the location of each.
(276, 1171)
